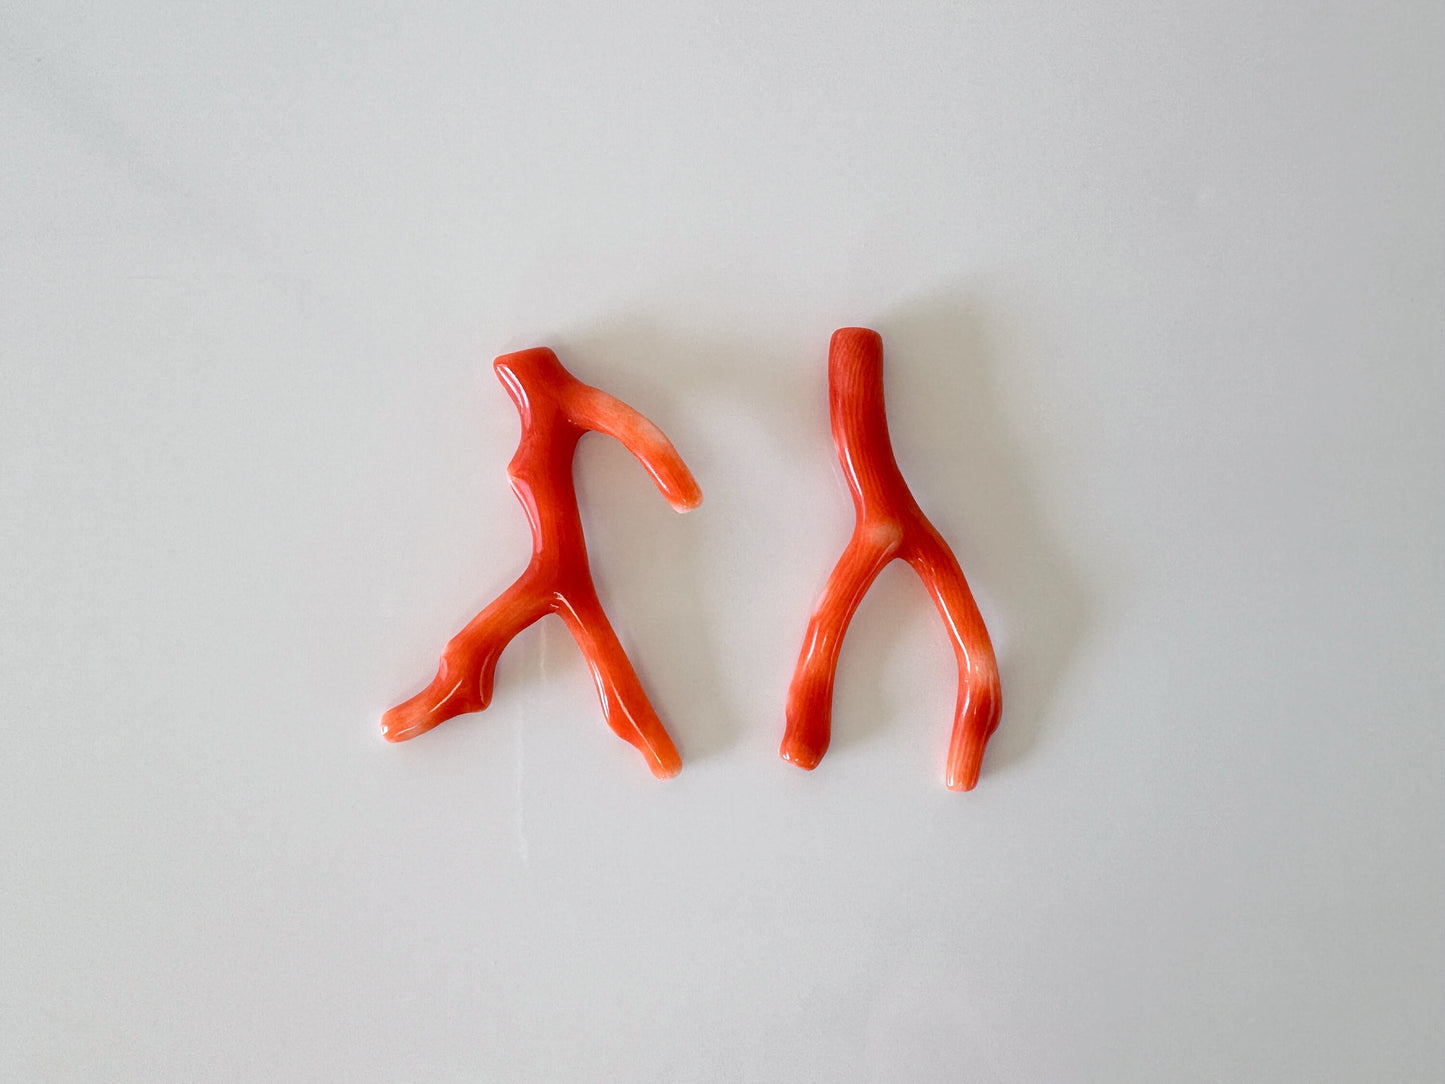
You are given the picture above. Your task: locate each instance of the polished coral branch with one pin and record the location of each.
(889, 524)
(556, 409)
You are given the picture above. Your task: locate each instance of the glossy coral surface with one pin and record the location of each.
(889, 525)
(556, 409)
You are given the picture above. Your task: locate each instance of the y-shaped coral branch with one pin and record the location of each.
(889, 524)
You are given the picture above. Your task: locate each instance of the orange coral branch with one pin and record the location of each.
(556, 409)
(889, 525)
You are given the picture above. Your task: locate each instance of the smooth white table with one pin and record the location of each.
(1161, 289)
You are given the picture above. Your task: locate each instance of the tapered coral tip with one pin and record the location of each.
(688, 498)
(394, 725)
(433, 705)
(801, 754)
(964, 765)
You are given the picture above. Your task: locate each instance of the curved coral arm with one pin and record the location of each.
(625, 706)
(889, 525)
(592, 408)
(810, 697)
(980, 700)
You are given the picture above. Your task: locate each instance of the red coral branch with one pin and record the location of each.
(889, 525)
(556, 409)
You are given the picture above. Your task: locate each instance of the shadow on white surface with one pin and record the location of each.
(953, 439)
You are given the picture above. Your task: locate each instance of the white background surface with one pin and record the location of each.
(1161, 289)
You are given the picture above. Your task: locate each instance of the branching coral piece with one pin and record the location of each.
(556, 409)
(889, 525)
